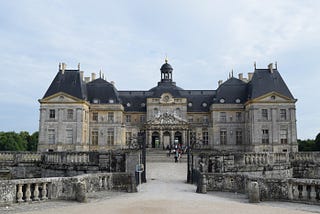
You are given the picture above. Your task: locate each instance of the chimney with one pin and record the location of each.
(220, 82)
(240, 76)
(270, 66)
(63, 67)
(79, 66)
(250, 74)
(59, 66)
(87, 79)
(93, 76)
(112, 82)
(81, 75)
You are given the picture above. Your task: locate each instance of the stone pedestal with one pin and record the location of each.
(254, 193)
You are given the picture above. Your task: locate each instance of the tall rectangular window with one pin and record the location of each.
(51, 136)
(69, 136)
(128, 118)
(110, 117)
(205, 137)
(205, 119)
(95, 116)
(94, 138)
(238, 136)
(283, 114)
(283, 136)
(190, 119)
(110, 139)
(142, 118)
(238, 116)
(52, 114)
(223, 136)
(70, 114)
(264, 114)
(265, 136)
(128, 138)
(223, 117)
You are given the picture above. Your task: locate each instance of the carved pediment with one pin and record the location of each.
(167, 119)
(60, 98)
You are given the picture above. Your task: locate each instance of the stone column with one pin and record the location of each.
(172, 137)
(161, 138)
(149, 138)
(183, 137)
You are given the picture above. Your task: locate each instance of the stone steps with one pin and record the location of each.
(159, 155)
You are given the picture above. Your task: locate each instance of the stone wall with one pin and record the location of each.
(65, 188)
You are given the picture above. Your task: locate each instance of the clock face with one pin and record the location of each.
(166, 98)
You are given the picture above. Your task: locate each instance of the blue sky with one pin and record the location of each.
(128, 40)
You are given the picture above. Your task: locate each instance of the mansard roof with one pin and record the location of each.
(102, 91)
(232, 91)
(265, 81)
(69, 82)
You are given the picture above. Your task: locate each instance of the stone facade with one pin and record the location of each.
(255, 114)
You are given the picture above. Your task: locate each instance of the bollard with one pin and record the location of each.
(254, 193)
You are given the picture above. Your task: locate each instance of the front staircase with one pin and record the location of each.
(159, 155)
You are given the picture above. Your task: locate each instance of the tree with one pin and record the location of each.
(11, 141)
(33, 142)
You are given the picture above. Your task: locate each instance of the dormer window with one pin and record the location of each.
(238, 100)
(204, 104)
(222, 100)
(96, 101)
(128, 104)
(111, 101)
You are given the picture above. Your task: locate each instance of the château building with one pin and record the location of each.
(253, 114)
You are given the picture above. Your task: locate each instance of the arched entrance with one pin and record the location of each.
(155, 143)
(166, 139)
(178, 138)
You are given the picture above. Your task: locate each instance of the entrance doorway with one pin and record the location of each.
(155, 143)
(178, 138)
(166, 139)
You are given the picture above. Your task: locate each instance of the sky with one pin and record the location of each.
(128, 40)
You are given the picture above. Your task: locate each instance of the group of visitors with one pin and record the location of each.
(177, 150)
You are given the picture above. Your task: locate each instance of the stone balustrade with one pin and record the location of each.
(306, 156)
(67, 157)
(304, 190)
(42, 189)
(20, 157)
(255, 158)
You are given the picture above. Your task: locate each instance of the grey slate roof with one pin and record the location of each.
(231, 90)
(68, 82)
(166, 87)
(103, 91)
(264, 81)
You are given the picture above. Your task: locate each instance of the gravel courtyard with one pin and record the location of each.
(166, 192)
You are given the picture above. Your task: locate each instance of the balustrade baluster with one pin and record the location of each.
(44, 191)
(28, 193)
(19, 193)
(36, 192)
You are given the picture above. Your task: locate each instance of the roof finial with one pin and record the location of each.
(100, 73)
(166, 59)
(79, 66)
(276, 64)
(232, 72)
(255, 65)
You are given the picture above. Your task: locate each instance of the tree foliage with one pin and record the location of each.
(310, 145)
(23, 141)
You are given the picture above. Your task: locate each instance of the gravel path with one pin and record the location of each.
(166, 192)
